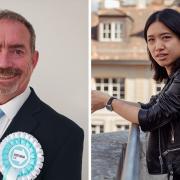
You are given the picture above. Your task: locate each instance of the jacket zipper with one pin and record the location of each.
(160, 157)
(172, 133)
(170, 150)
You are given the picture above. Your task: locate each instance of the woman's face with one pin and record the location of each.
(163, 45)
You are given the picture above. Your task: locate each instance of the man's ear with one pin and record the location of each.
(35, 58)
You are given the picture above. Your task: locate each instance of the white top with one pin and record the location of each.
(11, 108)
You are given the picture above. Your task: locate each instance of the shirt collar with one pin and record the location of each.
(12, 107)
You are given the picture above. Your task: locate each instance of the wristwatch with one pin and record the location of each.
(109, 104)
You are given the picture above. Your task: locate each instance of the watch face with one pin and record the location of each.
(109, 107)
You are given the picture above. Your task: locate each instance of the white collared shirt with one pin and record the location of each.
(11, 108)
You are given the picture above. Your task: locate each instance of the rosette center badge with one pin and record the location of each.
(21, 157)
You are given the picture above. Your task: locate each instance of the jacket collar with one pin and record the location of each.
(24, 120)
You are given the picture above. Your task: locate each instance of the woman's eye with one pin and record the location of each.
(150, 40)
(166, 37)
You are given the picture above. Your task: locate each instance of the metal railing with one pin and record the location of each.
(131, 167)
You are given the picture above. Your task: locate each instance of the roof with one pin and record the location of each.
(134, 48)
(111, 12)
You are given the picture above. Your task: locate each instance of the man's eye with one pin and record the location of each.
(18, 52)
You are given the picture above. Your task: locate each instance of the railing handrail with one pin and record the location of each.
(131, 167)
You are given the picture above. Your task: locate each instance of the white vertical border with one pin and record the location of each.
(89, 89)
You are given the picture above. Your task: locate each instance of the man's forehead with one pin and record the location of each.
(13, 29)
(7, 20)
(12, 45)
(13, 25)
(13, 35)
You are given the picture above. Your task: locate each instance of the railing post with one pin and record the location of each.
(121, 161)
(131, 167)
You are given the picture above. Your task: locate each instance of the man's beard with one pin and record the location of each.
(5, 91)
(11, 88)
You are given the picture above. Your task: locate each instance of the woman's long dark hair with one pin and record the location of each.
(171, 19)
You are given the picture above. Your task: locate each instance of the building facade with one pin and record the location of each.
(120, 64)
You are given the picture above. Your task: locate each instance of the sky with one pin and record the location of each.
(94, 5)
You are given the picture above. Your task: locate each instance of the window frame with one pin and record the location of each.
(115, 33)
(115, 86)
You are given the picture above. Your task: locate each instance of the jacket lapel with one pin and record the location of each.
(24, 120)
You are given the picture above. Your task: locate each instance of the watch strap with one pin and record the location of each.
(109, 103)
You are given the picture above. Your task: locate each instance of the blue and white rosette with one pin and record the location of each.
(21, 157)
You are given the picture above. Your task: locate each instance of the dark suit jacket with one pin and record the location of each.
(61, 139)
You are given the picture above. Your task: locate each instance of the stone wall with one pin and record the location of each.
(106, 152)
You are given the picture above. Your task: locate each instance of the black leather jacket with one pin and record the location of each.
(161, 117)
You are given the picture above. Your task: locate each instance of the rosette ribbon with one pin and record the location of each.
(21, 157)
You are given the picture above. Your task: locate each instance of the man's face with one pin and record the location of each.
(16, 59)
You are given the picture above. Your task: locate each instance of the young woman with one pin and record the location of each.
(161, 116)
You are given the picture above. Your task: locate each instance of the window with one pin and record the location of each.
(113, 86)
(118, 31)
(111, 31)
(106, 31)
(97, 129)
(134, 2)
(122, 127)
(159, 87)
(128, 2)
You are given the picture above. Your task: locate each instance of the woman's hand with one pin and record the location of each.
(98, 100)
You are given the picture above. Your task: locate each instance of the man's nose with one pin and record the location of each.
(4, 59)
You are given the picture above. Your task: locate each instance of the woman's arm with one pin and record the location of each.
(128, 110)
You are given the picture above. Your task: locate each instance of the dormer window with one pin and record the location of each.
(113, 25)
(111, 31)
(105, 31)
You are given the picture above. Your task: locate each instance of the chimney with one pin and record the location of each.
(168, 2)
(141, 4)
(111, 4)
(157, 2)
